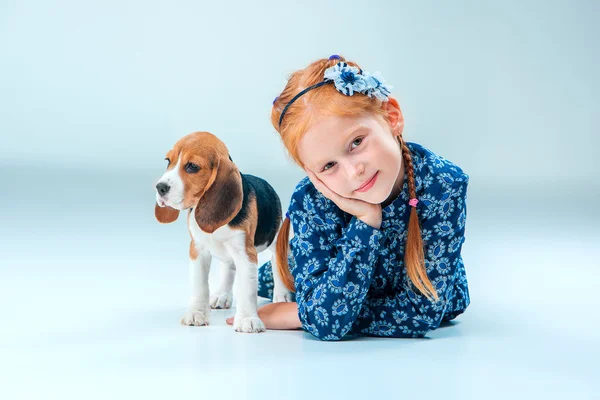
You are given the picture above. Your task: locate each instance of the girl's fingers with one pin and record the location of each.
(313, 178)
(351, 206)
(347, 205)
(321, 186)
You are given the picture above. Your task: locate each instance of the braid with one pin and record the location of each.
(410, 171)
(414, 256)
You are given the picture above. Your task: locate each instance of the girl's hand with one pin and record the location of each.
(278, 316)
(369, 213)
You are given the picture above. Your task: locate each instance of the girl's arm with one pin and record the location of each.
(333, 263)
(278, 316)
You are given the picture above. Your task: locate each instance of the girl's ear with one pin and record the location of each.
(394, 115)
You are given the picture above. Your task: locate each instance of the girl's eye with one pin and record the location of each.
(168, 162)
(357, 142)
(191, 168)
(328, 165)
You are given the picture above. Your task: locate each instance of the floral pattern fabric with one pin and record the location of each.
(350, 277)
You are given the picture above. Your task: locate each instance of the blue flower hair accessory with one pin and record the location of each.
(348, 80)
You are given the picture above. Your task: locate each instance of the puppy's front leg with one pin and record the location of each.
(198, 312)
(246, 316)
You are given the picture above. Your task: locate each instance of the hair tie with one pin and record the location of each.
(413, 202)
(334, 57)
(287, 215)
(275, 99)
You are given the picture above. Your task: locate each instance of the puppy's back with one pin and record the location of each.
(269, 208)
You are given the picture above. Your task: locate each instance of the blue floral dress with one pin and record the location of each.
(350, 277)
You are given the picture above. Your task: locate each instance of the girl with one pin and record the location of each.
(378, 223)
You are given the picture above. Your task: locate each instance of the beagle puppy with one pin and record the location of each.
(231, 216)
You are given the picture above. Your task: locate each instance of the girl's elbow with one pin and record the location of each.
(328, 336)
(327, 332)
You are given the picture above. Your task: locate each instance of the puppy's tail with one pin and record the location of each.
(282, 255)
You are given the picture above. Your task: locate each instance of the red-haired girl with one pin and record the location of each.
(378, 222)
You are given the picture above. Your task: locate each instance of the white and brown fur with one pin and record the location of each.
(231, 216)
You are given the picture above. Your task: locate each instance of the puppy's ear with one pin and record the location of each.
(166, 214)
(222, 198)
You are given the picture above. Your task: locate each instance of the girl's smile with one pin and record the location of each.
(369, 184)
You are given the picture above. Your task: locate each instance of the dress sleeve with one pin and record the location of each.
(334, 263)
(408, 313)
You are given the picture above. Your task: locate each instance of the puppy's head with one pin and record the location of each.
(199, 174)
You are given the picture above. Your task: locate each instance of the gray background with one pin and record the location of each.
(93, 94)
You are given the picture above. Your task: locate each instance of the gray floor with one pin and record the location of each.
(92, 290)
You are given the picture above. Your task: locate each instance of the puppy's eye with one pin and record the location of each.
(191, 168)
(168, 161)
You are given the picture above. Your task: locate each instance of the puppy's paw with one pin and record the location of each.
(282, 296)
(196, 317)
(221, 300)
(248, 324)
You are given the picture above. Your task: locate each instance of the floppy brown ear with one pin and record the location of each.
(166, 214)
(222, 198)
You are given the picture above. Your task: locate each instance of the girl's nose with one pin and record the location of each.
(355, 170)
(360, 170)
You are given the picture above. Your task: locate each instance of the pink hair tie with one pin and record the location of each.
(413, 202)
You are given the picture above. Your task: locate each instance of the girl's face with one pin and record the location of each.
(356, 157)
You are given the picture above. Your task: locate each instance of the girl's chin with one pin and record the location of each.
(379, 198)
(375, 198)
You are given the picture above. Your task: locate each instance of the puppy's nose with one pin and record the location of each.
(162, 188)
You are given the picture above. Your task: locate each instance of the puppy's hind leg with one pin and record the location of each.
(223, 296)
(280, 292)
